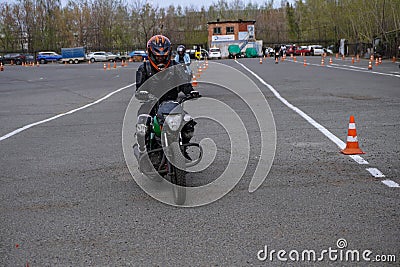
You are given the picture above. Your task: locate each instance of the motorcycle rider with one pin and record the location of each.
(159, 62)
(183, 58)
(159, 58)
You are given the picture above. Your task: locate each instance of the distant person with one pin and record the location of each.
(197, 54)
(277, 50)
(182, 57)
(283, 50)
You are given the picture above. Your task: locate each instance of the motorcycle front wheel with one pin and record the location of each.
(178, 178)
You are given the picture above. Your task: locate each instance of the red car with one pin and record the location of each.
(297, 51)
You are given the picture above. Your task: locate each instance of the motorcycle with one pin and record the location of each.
(167, 137)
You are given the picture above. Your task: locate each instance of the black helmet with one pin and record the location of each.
(159, 51)
(181, 50)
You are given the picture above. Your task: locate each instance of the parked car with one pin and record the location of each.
(138, 55)
(111, 56)
(303, 50)
(316, 50)
(297, 50)
(328, 51)
(192, 53)
(291, 50)
(14, 58)
(269, 51)
(44, 57)
(29, 58)
(97, 56)
(214, 53)
(204, 54)
(121, 56)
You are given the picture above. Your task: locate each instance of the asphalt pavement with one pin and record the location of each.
(68, 199)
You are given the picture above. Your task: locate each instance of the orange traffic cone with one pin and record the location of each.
(376, 62)
(115, 65)
(109, 66)
(1, 67)
(305, 63)
(380, 61)
(105, 66)
(352, 147)
(393, 59)
(352, 60)
(330, 60)
(260, 60)
(194, 81)
(370, 65)
(322, 61)
(294, 59)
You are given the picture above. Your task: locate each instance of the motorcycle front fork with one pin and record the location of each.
(168, 153)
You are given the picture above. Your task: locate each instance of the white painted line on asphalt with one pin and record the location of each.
(351, 68)
(390, 183)
(358, 159)
(26, 127)
(365, 71)
(321, 128)
(375, 172)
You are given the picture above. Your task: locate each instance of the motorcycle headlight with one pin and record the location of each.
(173, 121)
